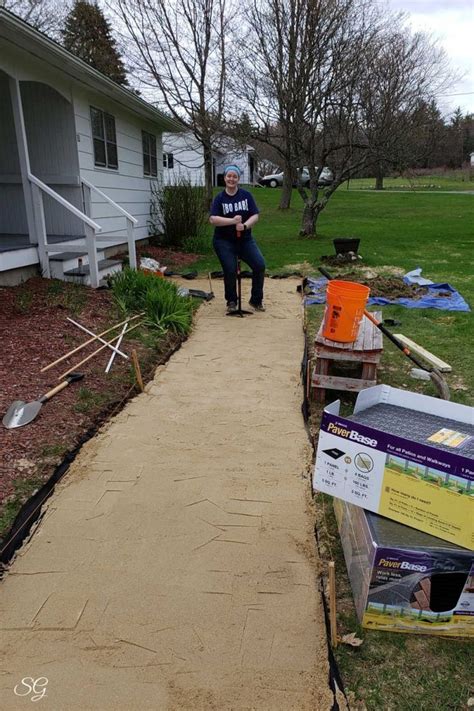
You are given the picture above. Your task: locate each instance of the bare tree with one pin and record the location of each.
(405, 72)
(45, 15)
(180, 49)
(269, 78)
(318, 93)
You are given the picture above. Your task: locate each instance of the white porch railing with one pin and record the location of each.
(131, 221)
(90, 226)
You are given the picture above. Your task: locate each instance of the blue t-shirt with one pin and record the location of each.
(225, 205)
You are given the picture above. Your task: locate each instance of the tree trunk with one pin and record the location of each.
(207, 152)
(379, 175)
(287, 189)
(308, 222)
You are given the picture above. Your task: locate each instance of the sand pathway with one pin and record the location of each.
(174, 566)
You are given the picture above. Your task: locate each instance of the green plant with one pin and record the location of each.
(72, 296)
(56, 287)
(53, 450)
(166, 310)
(197, 245)
(164, 307)
(23, 489)
(129, 288)
(177, 212)
(23, 301)
(87, 400)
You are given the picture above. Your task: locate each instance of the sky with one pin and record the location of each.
(452, 23)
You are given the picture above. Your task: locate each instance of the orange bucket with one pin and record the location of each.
(345, 304)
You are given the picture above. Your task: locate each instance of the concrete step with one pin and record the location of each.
(82, 275)
(63, 262)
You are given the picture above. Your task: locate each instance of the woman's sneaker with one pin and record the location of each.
(231, 307)
(257, 307)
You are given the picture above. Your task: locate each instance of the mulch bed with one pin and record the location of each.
(34, 332)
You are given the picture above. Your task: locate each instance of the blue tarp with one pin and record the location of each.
(430, 300)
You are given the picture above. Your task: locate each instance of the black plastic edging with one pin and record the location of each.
(31, 511)
(335, 679)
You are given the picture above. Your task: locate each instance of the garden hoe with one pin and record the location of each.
(240, 311)
(22, 413)
(435, 376)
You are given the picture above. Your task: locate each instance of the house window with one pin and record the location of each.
(104, 138)
(150, 166)
(168, 160)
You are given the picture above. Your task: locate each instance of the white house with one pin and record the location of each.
(78, 157)
(183, 157)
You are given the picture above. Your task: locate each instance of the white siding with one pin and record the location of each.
(188, 158)
(127, 186)
(240, 158)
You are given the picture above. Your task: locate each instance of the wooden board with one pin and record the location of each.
(328, 353)
(370, 338)
(334, 382)
(429, 357)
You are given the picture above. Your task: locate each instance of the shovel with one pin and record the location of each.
(435, 376)
(22, 413)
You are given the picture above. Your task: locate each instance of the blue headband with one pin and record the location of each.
(235, 168)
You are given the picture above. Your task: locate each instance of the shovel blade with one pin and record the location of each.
(20, 413)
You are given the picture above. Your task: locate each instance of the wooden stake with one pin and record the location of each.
(138, 372)
(332, 604)
(106, 345)
(210, 282)
(91, 340)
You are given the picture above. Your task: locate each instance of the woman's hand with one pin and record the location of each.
(237, 219)
(240, 227)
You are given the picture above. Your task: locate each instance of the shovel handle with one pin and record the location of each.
(47, 396)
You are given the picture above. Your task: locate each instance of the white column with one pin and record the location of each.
(87, 200)
(132, 254)
(23, 155)
(41, 230)
(92, 254)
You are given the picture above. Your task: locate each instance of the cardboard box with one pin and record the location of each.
(406, 456)
(404, 580)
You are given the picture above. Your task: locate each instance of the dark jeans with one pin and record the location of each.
(247, 249)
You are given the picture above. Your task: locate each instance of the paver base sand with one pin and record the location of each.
(174, 567)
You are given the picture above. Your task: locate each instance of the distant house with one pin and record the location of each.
(183, 157)
(78, 156)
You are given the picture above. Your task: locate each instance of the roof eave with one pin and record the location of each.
(67, 63)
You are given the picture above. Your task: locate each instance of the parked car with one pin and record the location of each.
(275, 180)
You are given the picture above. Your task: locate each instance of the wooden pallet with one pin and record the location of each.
(367, 350)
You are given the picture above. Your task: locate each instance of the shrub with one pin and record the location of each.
(177, 213)
(129, 288)
(165, 309)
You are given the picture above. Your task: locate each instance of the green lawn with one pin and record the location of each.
(457, 180)
(402, 230)
(432, 231)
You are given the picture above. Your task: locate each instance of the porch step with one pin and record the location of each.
(82, 275)
(63, 262)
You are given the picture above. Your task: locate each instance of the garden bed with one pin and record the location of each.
(35, 332)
